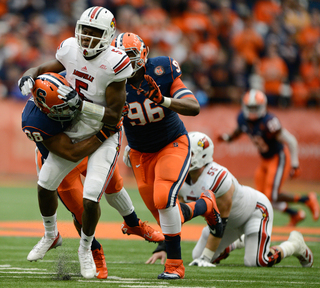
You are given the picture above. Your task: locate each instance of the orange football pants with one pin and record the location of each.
(160, 175)
(70, 190)
(271, 174)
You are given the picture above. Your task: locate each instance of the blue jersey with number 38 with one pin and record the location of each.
(148, 126)
(38, 126)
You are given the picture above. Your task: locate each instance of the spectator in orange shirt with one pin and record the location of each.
(249, 44)
(273, 69)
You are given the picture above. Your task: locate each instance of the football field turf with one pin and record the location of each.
(125, 255)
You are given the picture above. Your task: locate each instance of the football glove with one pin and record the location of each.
(25, 84)
(125, 109)
(295, 172)
(69, 95)
(224, 137)
(154, 93)
(202, 261)
(126, 156)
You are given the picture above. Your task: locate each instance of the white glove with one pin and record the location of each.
(25, 84)
(126, 156)
(70, 96)
(202, 261)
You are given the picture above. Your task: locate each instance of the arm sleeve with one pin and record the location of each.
(287, 137)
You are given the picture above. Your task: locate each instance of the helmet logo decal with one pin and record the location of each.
(159, 70)
(113, 23)
(204, 143)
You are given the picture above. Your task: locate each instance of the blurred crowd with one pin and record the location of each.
(224, 47)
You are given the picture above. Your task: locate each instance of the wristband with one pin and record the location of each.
(207, 254)
(103, 135)
(166, 102)
(93, 110)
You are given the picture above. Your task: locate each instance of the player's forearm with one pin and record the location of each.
(291, 141)
(185, 106)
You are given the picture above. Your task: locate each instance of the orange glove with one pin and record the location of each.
(154, 93)
(295, 172)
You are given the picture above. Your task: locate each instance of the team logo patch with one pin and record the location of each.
(204, 143)
(159, 70)
(113, 23)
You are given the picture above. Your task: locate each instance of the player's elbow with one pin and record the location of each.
(73, 157)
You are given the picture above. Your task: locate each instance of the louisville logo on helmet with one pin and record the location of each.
(204, 143)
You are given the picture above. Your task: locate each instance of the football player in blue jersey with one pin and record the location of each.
(44, 122)
(279, 155)
(158, 145)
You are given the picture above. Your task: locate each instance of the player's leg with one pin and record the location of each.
(278, 169)
(70, 192)
(170, 172)
(258, 231)
(118, 198)
(57, 168)
(101, 165)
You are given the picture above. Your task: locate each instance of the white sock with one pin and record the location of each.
(287, 248)
(50, 226)
(238, 244)
(85, 241)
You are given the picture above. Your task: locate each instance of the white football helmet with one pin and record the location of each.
(254, 104)
(201, 150)
(99, 18)
(130, 42)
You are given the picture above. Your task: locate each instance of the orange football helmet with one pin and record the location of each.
(130, 42)
(46, 98)
(254, 104)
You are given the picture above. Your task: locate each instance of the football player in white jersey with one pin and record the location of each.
(244, 210)
(98, 73)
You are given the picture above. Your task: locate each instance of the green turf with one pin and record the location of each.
(125, 258)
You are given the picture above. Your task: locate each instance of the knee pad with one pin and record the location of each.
(121, 201)
(170, 221)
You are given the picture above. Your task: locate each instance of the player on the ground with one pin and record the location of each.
(98, 72)
(44, 123)
(278, 149)
(159, 150)
(243, 209)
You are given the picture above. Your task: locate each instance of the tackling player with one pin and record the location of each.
(245, 210)
(159, 149)
(44, 123)
(98, 72)
(279, 155)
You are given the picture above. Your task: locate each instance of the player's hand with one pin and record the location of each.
(202, 262)
(125, 109)
(154, 93)
(155, 256)
(295, 172)
(126, 158)
(108, 131)
(224, 137)
(69, 95)
(25, 84)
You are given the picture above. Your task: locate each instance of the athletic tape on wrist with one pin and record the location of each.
(207, 253)
(93, 110)
(166, 102)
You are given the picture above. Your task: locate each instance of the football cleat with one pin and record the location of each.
(313, 205)
(43, 246)
(144, 231)
(302, 251)
(211, 214)
(173, 270)
(87, 265)
(295, 219)
(100, 261)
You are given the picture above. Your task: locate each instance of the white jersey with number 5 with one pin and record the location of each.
(90, 79)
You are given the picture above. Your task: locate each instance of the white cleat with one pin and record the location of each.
(87, 265)
(43, 246)
(302, 251)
